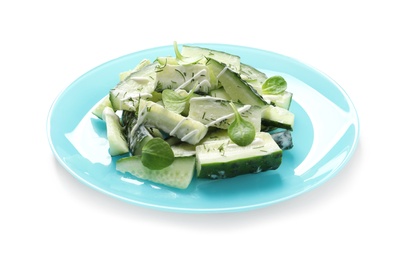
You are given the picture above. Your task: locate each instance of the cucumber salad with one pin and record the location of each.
(202, 113)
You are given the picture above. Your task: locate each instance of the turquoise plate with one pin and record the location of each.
(325, 136)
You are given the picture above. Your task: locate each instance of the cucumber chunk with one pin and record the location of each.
(219, 93)
(141, 65)
(231, 60)
(217, 112)
(184, 128)
(141, 83)
(278, 117)
(99, 107)
(183, 76)
(178, 175)
(282, 100)
(215, 134)
(164, 60)
(183, 150)
(253, 77)
(223, 159)
(116, 138)
(136, 136)
(238, 89)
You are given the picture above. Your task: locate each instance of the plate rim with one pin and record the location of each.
(138, 202)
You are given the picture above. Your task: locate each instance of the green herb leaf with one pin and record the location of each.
(157, 154)
(241, 131)
(274, 85)
(176, 100)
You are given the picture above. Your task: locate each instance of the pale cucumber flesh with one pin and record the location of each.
(178, 175)
(115, 136)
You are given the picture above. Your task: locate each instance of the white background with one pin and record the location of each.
(47, 214)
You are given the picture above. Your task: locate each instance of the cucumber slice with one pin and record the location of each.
(99, 107)
(183, 150)
(215, 134)
(184, 128)
(141, 83)
(277, 117)
(116, 138)
(167, 60)
(178, 175)
(282, 100)
(253, 77)
(141, 65)
(282, 138)
(224, 159)
(231, 60)
(238, 89)
(219, 93)
(218, 113)
(184, 77)
(136, 136)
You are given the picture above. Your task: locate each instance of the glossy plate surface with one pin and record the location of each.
(325, 136)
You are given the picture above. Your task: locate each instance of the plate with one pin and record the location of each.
(325, 137)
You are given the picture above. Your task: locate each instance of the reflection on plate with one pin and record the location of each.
(325, 137)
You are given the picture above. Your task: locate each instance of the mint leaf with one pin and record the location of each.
(157, 154)
(274, 85)
(241, 131)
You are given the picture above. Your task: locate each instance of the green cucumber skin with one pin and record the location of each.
(222, 170)
(276, 124)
